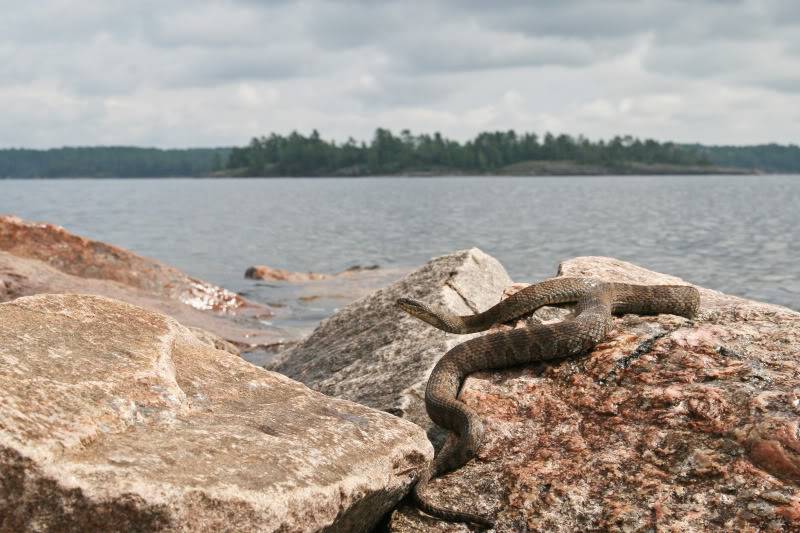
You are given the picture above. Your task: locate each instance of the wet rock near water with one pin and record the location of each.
(86, 258)
(264, 272)
(278, 274)
(26, 277)
(116, 418)
(42, 258)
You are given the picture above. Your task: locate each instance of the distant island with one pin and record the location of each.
(490, 153)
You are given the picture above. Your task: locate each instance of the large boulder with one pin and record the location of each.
(115, 418)
(43, 258)
(670, 424)
(20, 276)
(373, 353)
(86, 258)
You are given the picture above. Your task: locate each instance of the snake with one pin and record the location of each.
(596, 301)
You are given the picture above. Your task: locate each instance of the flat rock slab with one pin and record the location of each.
(373, 353)
(668, 425)
(43, 258)
(21, 276)
(116, 418)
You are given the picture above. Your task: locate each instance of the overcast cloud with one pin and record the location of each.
(191, 73)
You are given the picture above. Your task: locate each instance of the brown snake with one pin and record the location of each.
(596, 302)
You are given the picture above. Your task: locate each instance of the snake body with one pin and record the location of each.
(596, 302)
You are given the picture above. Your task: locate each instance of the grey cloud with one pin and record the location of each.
(352, 64)
(474, 53)
(398, 91)
(698, 61)
(789, 84)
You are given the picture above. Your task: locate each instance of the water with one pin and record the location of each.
(737, 234)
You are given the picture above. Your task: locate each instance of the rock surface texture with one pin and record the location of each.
(116, 418)
(669, 425)
(86, 258)
(373, 353)
(43, 258)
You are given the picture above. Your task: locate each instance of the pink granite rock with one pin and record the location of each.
(668, 425)
(42, 258)
(115, 418)
(86, 258)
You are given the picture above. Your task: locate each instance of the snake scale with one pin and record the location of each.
(596, 301)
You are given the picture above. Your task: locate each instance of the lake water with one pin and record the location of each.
(732, 233)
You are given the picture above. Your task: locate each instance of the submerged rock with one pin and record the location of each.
(279, 274)
(116, 418)
(265, 272)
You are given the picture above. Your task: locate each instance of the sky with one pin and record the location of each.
(171, 73)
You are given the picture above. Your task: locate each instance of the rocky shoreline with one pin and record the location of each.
(116, 416)
(40, 258)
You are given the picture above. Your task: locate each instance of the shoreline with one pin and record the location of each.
(423, 174)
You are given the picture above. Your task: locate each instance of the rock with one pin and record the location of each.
(214, 341)
(372, 353)
(85, 258)
(25, 277)
(278, 274)
(360, 268)
(347, 287)
(668, 425)
(116, 418)
(42, 258)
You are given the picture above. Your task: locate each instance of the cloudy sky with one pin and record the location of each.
(175, 73)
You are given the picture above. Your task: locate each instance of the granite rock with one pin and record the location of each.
(669, 424)
(373, 353)
(116, 418)
(21, 276)
(86, 258)
(43, 258)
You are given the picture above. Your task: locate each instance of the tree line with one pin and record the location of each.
(773, 158)
(296, 154)
(299, 155)
(111, 161)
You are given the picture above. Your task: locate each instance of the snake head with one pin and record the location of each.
(421, 311)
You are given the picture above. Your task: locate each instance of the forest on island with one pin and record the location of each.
(388, 153)
(299, 155)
